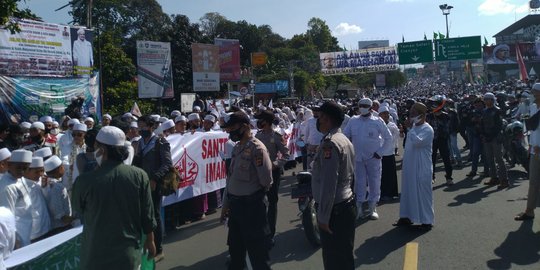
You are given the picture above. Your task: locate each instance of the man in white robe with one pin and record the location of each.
(83, 55)
(7, 235)
(416, 203)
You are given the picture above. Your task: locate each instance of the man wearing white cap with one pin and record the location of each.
(167, 128)
(370, 136)
(116, 205)
(5, 154)
(39, 139)
(175, 114)
(194, 122)
(14, 195)
(180, 124)
(83, 55)
(65, 142)
(133, 133)
(41, 223)
(56, 195)
(312, 136)
(68, 155)
(89, 121)
(209, 122)
(533, 198)
(106, 120)
(44, 153)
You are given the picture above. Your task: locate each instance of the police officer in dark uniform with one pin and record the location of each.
(333, 174)
(245, 195)
(275, 143)
(440, 121)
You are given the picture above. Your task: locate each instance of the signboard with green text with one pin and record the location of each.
(464, 48)
(415, 52)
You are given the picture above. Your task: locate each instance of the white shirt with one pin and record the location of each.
(7, 235)
(82, 53)
(58, 202)
(313, 136)
(391, 148)
(369, 135)
(40, 214)
(16, 197)
(534, 137)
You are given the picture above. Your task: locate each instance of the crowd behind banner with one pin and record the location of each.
(199, 152)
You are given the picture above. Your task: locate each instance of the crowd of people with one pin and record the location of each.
(57, 175)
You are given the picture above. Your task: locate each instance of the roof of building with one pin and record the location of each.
(526, 21)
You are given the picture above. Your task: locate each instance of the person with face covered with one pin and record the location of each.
(279, 155)
(153, 155)
(244, 201)
(370, 137)
(333, 175)
(116, 204)
(39, 138)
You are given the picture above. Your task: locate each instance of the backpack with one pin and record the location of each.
(171, 180)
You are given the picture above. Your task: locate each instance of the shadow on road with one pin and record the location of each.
(291, 245)
(520, 247)
(209, 263)
(473, 196)
(375, 249)
(188, 231)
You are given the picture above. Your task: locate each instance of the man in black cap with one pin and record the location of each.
(245, 195)
(333, 174)
(275, 143)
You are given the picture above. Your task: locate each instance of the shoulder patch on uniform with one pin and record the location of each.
(259, 160)
(327, 152)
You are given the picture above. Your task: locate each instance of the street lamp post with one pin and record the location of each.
(445, 11)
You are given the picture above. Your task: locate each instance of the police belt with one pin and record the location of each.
(256, 196)
(340, 205)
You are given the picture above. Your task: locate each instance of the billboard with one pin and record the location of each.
(186, 102)
(154, 70)
(229, 59)
(359, 61)
(501, 61)
(368, 44)
(24, 97)
(259, 59)
(205, 64)
(46, 49)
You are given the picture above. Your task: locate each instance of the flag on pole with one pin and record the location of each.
(402, 38)
(135, 110)
(485, 41)
(522, 69)
(435, 35)
(441, 36)
(270, 105)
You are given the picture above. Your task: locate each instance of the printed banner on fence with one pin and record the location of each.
(205, 59)
(359, 61)
(23, 98)
(229, 59)
(46, 49)
(154, 69)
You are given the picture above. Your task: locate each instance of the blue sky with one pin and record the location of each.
(350, 20)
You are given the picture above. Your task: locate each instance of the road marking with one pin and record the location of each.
(411, 256)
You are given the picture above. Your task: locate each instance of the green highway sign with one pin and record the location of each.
(415, 52)
(458, 48)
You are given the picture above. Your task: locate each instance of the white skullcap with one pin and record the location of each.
(73, 121)
(45, 119)
(155, 117)
(134, 124)
(4, 154)
(80, 31)
(163, 119)
(21, 155)
(536, 87)
(365, 101)
(196, 108)
(80, 127)
(26, 125)
(44, 152)
(37, 162)
(175, 113)
(193, 116)
(180, 118)
(127, 115)
(52, 163)
(167, 125)
(489, 95)
(210, 118)
(89, 119)
(110, 135)
(107, 116)
(55, 124)
(383, 109)
(38, 125)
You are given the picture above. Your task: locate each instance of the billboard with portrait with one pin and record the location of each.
(501, 60)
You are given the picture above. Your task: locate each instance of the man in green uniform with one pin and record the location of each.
(116, 207)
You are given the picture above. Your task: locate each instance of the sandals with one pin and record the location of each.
(403, 222)
(523, 216)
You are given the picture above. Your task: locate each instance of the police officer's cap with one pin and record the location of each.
(236, 118)
(266, 116)
(334, 111)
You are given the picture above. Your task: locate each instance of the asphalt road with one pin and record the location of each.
(474, 229)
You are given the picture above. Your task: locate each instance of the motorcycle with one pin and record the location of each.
(516, 144)
(306, 205)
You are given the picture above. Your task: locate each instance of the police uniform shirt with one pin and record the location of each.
(251, 168)
(333, 171)
(275, 143)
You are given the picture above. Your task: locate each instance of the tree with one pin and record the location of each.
(321, 36)
(116, 66)
(209, 24)
(120, 99)
(10, 9)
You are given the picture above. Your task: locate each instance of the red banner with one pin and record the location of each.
(229, 59)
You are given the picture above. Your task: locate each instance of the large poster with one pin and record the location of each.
(154, 70)
(205, 67)
(501, 61)
(229, 59)
(22, 98)
(46, 49)
(359, 61)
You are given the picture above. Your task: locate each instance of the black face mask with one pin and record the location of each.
(236, 135)
(145, 133)
(47, 130)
